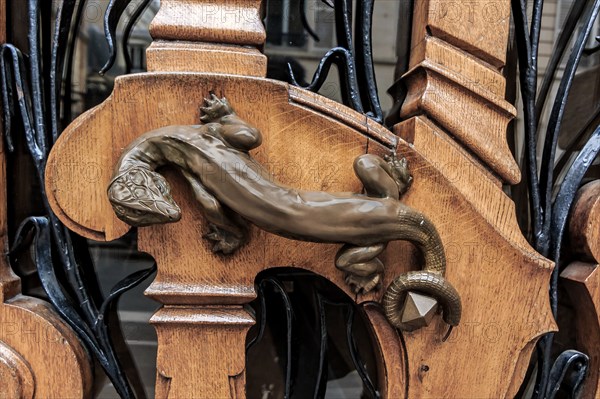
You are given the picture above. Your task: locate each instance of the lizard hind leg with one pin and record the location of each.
(362, 267)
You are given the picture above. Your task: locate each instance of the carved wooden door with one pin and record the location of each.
(273, 211)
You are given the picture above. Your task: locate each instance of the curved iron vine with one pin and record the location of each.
(548, 217)
(353, 58)
(24, 80)
(318, 295)
(26, 98)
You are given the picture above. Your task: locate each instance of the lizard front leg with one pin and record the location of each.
(215, 108)
(227, 230)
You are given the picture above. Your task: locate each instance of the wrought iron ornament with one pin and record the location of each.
(31, 89)
(353, 57)
(303, 339)
(231, 188)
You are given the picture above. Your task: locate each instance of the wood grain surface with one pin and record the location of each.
(453, 135)
(500, 278)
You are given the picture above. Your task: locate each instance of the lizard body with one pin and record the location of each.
(232, 188)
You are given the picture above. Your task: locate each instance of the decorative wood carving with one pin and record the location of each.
(15, 374)
(458, 49)
(456, 149)
(582, 279)
(40, 356)
(456, 118)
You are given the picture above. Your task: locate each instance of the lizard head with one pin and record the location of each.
(141, 197)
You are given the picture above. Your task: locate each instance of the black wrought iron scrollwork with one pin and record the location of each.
(548, 217)
(31, 93)
(315, 299)
(353, 57)
(114, 14)
(559, 374)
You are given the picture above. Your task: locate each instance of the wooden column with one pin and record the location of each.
(582, 279)
(455, 80)
(202, 344)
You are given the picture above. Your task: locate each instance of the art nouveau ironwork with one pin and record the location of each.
(32, 90)
(353, 57)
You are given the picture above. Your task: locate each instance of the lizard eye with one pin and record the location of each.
(162, 188)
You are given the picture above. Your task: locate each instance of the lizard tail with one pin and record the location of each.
(430, 281)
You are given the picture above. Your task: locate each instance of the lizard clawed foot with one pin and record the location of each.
(215, 109)
(225, 242)
(400, 172)
(363, 284)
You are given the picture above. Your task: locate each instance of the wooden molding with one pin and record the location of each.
(458, 49)
(584, 223)
(217, 332)
(583, 285)
(15, 374)
(204, 57)
(221, 36)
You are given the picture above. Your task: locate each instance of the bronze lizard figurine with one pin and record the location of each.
(232, 188)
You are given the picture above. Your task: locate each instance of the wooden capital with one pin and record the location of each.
(454, 80)
(221, 36)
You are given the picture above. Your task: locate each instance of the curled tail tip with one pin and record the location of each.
(428, 284)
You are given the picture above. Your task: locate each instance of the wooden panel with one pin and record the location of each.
(456, 117)
(311, 145)
(454, 141)
(486, 255)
